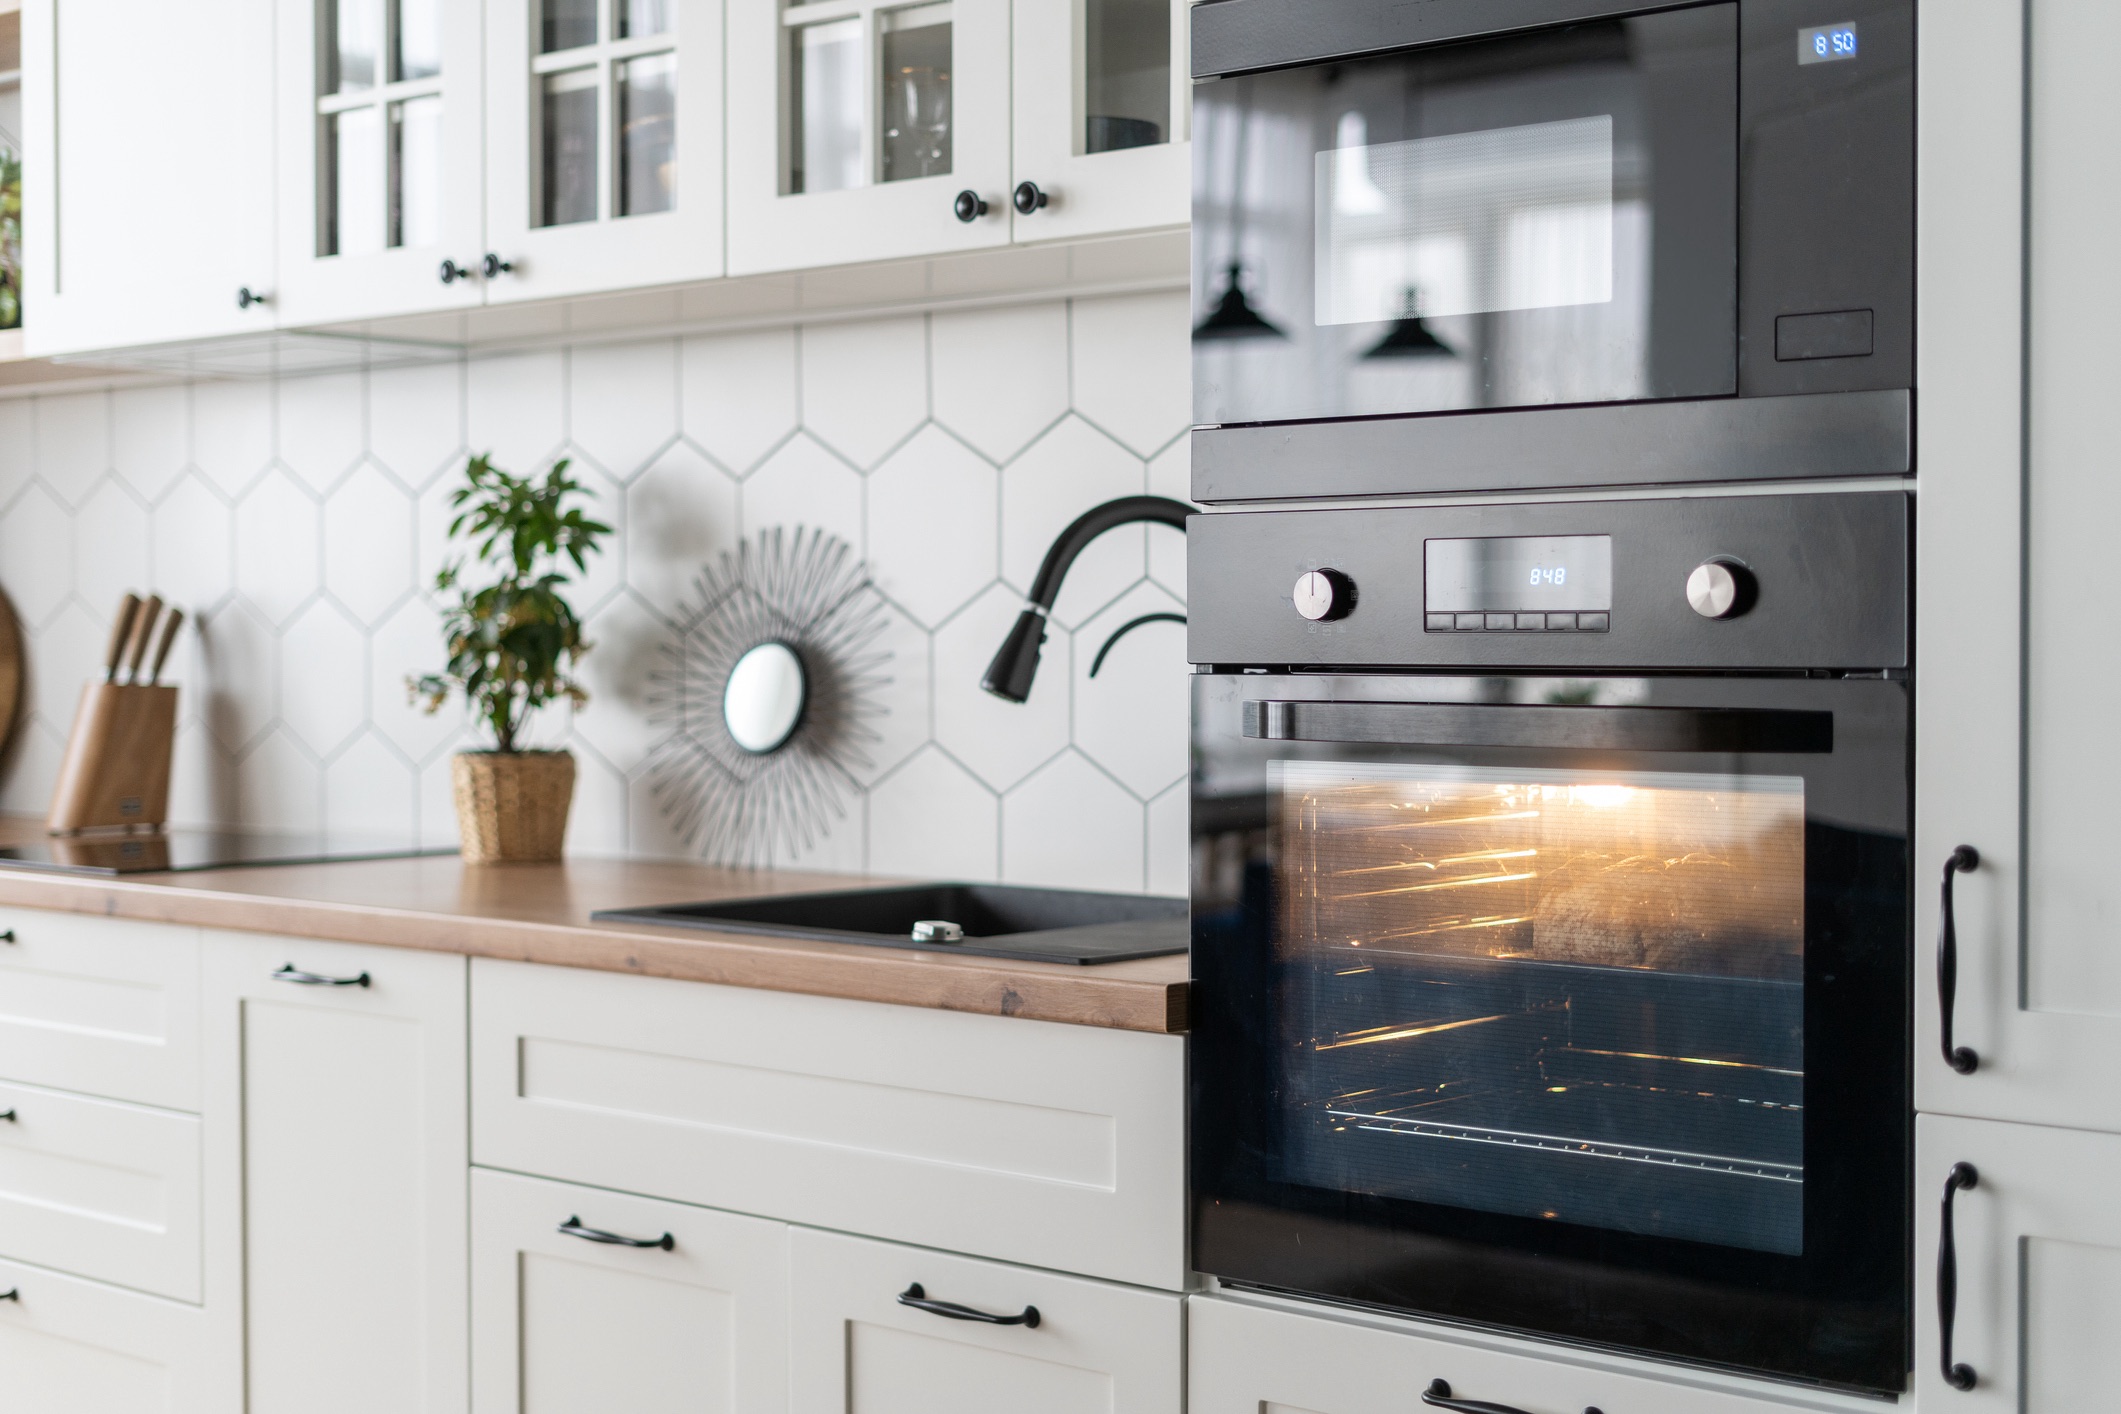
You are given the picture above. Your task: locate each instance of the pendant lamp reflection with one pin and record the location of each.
(1233, 316)
(1409, 337)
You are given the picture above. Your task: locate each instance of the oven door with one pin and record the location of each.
(1578, 1007)
(1540, 218)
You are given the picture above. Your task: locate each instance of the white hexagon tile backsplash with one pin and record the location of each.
(301, 521)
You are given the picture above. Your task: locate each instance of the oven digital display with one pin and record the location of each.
(1823, 44)
(1507, 574)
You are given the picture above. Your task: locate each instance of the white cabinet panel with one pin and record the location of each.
(69, 1346)
(350, 1151)
(101, 1006)
(1056, 1145)
(565, 1325)
(856, 1348)
(100, 1188)
(148, 171)
(2038, 1240)
(603, 146)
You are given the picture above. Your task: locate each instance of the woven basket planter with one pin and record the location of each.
(512, 806)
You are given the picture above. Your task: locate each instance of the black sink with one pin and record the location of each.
(999, 920)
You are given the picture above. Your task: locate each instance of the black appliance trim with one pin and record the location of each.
(1800, 437)
(1570, 728)
(1242, 36)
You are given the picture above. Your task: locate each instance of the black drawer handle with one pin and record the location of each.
(918, 1299)
(1963, 860)
(13, 1293)
(1438, 1395)
(1957, 1376)
(292, 973)
(8, 1115)
(7, 936)
(573, 1228)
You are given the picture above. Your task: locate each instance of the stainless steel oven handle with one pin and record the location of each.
(1963, 860)
(1705, 729)
(1438, 1396)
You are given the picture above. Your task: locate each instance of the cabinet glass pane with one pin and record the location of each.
(418, 40)
(568, 169)
(416, 172)
(648, 106)
(1126, 73)
(639, 17)
(825, 105)
(353, 217)
(356, 27)
(915, 50)
(567, 24)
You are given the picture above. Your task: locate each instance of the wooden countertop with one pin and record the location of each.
(540, 913)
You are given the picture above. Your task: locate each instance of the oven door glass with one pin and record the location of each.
(1545, 218)
(1574, 1007)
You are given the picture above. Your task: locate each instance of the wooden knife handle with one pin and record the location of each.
(170, 625)
(120, 631)
(143, 631)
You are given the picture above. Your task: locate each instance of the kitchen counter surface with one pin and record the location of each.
(540, 913)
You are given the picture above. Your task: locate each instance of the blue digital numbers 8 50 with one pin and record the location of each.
(1824, 44)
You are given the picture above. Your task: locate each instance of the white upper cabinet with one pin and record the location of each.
(148, 171)
(379, 138)
(855, 125)
(603, 145)
(1102, 103)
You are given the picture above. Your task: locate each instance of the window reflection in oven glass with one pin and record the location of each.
(1558, 994)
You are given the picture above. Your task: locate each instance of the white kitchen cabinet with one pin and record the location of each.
(380, 125)
(2037, 1240)
(147, 171)
(857, 1347)
(603, 144)
(567, 1321)
(2015, 724)
(69, 1346)
(336, 1114)
(100, 1006)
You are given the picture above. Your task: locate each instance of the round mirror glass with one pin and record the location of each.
(763, 703)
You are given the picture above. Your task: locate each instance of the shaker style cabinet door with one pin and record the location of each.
(147, 171)
(2014, 725)
(578, 1307)
(379, 135)
(2031, 1281)
(336, 1129)
(69, 1346)
(861, 130)
(603, 145)
(1102, 102)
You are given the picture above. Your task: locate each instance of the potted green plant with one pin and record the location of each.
(513, 641)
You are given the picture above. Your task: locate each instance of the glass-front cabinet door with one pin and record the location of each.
(604, 145)
(1102, 116)
(865, 130)
(379, 157)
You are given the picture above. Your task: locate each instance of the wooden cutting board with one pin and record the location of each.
(10, 670)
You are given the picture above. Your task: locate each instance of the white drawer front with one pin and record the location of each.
(563, 1323)
(857, 1349)
(69, 1346)
(1247, 1359)
(102, 1006)
(1061, 1146)
(101, 1188)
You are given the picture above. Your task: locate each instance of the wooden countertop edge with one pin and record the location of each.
(1034, 991)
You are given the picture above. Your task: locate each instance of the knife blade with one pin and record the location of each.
(170, 625)
(120, 630)
(143, 631)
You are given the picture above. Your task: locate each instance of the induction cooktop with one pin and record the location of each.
(180, 850)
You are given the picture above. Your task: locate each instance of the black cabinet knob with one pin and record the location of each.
(1028, 197)
(969, 206)
(493, 265)
(246, 297)
(452, 272)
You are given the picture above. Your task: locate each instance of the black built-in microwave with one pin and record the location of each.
(1490, 244)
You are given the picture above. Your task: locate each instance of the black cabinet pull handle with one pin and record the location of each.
(918, 1299)
(7, 936)
(1028, 198)
(292, 973)
(573, 1228)
(246, 297)
(1957, 1376)
(452, 272)
(13, 1293)
(969, 206)
(1438, 1396)
(7, 1115)
(1963, 860)
(493, 265)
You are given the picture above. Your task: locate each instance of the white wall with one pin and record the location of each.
(302, 520)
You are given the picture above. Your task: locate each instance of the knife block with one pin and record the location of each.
(116, 769)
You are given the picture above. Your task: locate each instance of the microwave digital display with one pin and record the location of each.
(1823, 44)
(1504, 574)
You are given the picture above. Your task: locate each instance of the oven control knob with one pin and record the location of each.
(1324, 594)
(1720, 588)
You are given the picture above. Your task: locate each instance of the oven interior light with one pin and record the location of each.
(1602, 797)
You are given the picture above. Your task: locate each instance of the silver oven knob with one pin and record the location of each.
(1720, 589)
(1323, 594)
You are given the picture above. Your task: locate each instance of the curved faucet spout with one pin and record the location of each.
(1009, 675)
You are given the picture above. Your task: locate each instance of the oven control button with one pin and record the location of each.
(1323, 594)
(1720, 589)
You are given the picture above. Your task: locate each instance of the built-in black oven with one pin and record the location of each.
(1551, 947)
(1683, 234)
